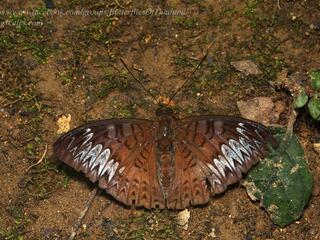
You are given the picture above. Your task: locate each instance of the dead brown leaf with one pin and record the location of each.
(261, 109)
(247, 67)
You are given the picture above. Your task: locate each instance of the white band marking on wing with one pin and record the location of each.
(239, 149)
(229, 154)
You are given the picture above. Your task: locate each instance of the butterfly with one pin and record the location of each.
(167, 162)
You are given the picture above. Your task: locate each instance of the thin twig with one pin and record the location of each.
(4, 155)
(11, 140)
(25, 142)
(2, 152)
(83, 213)
(118, 4)
(12, 103)
(40, 160)
(291, 121)
(279, 4)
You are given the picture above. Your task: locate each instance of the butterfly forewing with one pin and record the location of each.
(120, 154)
(212, 152)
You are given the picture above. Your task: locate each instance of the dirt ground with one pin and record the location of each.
(68, 62)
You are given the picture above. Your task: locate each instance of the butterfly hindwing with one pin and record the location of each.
(119, 154)
(212, 152)
(189, 186)
(137, 184)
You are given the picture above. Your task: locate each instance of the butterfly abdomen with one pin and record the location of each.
(165, 159)
(165, 172)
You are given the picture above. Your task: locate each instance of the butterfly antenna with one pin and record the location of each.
(137, 81)
(190, 77)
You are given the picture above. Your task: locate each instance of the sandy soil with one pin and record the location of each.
(69, 64)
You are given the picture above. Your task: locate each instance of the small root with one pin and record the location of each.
(40, 160)
(83, 213)
(291, 121)
(278, 3)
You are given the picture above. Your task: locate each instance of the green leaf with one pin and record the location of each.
(300, 100)
(281, 181)
(315, 80)
(314, 108)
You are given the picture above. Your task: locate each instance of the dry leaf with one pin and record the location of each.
(257, 109)
(247, 67)
(148, 38)
(262, 109)
(64, 124)
(183, 218)
(293, 82)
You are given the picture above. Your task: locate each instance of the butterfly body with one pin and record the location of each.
(165, 149)
(168, 162)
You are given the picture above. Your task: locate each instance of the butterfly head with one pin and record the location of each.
(163, 111)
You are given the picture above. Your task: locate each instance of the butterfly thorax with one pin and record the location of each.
(165, 159)
(163, 111)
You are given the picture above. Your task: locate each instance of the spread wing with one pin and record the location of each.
(212, 152)
(120, 155)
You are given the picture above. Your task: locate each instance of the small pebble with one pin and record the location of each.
(316, 147)
(213, 233)
(49, 4)
(315, 26)
(183, 218)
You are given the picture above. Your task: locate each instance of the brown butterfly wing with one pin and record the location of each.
(120, 154)
(212, 152)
